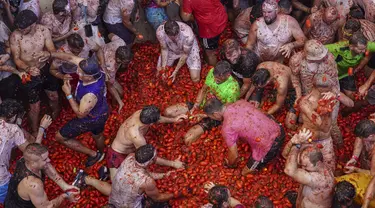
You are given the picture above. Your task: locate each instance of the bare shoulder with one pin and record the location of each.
(32, 183)
(291, 20)
(16, 35)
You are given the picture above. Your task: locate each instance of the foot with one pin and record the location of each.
(97, 158)
(79, 181)
(103, 173)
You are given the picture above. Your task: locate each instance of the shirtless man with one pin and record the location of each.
(322, 25)
(27, 40)
(316, 179)
(58, 21)
(316, 110)
(26, 187)
(281, 76)
(271, 36)
(177, 41)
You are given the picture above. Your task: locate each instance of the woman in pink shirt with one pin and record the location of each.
(242, 120)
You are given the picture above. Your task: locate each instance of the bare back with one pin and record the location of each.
(130, 135)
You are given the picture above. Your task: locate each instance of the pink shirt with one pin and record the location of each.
(10, 136)
(243, 120)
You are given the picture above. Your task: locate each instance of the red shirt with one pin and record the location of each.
(209, 14)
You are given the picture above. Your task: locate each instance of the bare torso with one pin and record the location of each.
(130, 132)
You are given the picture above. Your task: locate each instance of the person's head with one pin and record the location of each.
(330, 15)
(310, 158)
(343, 195)
(249, 63)
(365, 129)
(10, 109)
(145, 155)
(171, 28)
(75, 43)
(356, 13)
(222, 71)
(261, 77)
(269, 11)
(256, 12)
(263, 202)
(315, 51)
(123, 55)
(351, 26)
(36, 155)
(68, 68)
(214, 109)
(322, 82)
(285, 6)
(25, 21)
(150, 114)
(358, 43)
(219, 196)
(89, 70)
(60, 8)
(232, 50)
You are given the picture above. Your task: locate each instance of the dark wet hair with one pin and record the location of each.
(352, 24)
(10, 108)
(150, 114)
(263, 202)
(36, 149)
(59, 6)
(260, 77)
(285, 4)
(344, 194)
(256, 12)
(364, 128)
(314, 154)
(144, 153)
(171, 28)
(75, 41)
(218, 195)
(357, 13)
(3, 48)
(249, 63)
(25, 19)
(358, 38)
(124, 53)
(212, 105)
(222, 68)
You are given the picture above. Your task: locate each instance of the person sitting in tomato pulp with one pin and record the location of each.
(219, 196)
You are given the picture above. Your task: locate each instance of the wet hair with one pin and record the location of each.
(364, 128)
(10, 108)
(3, 48)
(256, 12)
(285, 4)
(260, 77)
(263, 202)
(75, 41)
(150, 114)
(314, 154)
(144, 153)
(124, 53)
(357, 13)
(358, 38)
(249, 63)
(171, 28)
(25, 19)
(35, 149)
(322, 80)
(222, 68)
(59, 6)
(212, 105)
(353, 25)
(218, 195)
(344, 194)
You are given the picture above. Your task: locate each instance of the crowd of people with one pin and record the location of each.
(310, 52)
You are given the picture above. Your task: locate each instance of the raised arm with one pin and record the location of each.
(292, 170)
(252, 38)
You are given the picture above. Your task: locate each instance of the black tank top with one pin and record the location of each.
(13, 200)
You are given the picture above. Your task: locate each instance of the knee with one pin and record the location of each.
(59, 138)
(196, 79)
(53, 96)
(168, 112)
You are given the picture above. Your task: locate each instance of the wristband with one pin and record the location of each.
(298, 146)
(41, 127)
(44, 131)
(355, 158)
(69, 97)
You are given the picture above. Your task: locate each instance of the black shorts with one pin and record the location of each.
(78, 126)
(120, 30)
(371, 95)
(227, 3)
(206, 123)
(10, 87)
(211, 43)
(46, 81)
(348, 83)
(257, 95)
(290, 100)
(272, 153)
(371, 63)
